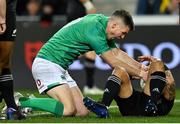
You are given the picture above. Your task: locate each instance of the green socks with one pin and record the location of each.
(45, 104)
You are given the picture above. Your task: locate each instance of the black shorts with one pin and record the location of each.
(10, 33)
(135, 104)
(75, 9)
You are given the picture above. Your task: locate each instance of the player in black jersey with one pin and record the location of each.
(7, 37)
(158, 94)
(156, 99)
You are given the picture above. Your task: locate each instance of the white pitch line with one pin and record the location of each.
(37, 114)
(177, 100)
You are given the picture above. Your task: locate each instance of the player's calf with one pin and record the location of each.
(157, 84)
(112, 88)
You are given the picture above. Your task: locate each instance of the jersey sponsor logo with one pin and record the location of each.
(14, 33)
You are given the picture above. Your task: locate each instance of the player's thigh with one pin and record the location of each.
(48, 74)
(154, 67)
(5, 53)
(78, 100)
(125, 87)
(77, 95)
(126, 90)
(61, 93)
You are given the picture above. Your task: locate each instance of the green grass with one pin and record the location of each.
(115, 117)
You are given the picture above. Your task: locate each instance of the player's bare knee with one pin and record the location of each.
(119, 72)
(157, 63)
(157, 66)
(69, 110)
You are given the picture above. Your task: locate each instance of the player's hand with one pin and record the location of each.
(2, 28)
(147, 58)
(144, 72)
(144, 75)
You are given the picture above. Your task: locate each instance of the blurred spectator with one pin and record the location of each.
(148, 7)
(47, 12)
(157, 7)
(33, 7)
(169, 7)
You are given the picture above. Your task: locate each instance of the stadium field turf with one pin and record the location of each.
(115, 117)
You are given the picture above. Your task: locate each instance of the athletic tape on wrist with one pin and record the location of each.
(88, 5)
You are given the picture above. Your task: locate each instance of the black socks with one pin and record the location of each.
(157, 84)
(90, 69)
(111, 90)
(6, 88)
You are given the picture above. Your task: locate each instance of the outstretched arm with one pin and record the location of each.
(116, 57)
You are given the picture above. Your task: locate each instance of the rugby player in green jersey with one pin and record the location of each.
(94, 32)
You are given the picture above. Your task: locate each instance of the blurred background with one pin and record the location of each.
(157, 33)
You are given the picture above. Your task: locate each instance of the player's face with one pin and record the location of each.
(117, 30)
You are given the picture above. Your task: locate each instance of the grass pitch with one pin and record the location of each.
(115, 116)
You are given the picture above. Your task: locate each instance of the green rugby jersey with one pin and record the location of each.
(77, 37)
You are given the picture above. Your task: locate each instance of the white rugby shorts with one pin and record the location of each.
(48, 74)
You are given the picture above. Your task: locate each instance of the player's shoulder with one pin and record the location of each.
(95, 19)
(95, 16)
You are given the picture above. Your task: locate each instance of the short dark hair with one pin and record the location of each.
(126, 17)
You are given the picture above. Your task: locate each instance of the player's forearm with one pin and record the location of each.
(116, 57)
(132, 66)
(2, 11)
